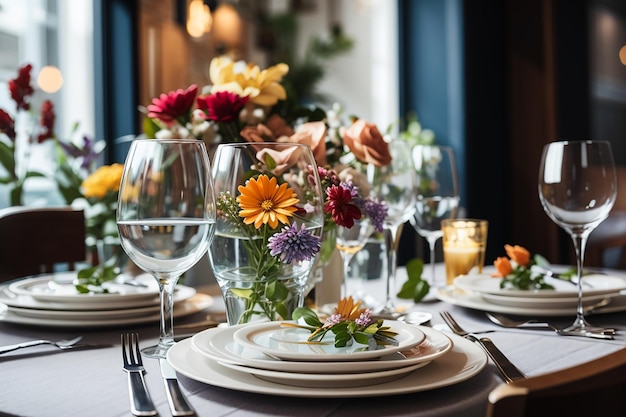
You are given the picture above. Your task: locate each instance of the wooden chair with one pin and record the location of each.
(595, 388)
(33, 240)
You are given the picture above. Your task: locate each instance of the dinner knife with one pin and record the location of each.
(175, 397)
(508, 371)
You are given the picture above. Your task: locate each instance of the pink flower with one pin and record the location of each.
(173, 105)
(339, 204)
(222, 106)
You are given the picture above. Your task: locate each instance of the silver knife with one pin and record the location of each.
(175, 397)
(508, 371)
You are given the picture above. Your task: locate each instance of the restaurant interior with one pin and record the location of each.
(494, 80)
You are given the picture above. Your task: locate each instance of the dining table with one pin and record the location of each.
(45, 381)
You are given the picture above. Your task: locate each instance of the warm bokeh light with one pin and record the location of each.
(228, 26)
(622, 55)
(199, 19)
(50, 79)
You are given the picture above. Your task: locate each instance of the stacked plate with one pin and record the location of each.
(604, 293)
(275, 359)
(52, 300)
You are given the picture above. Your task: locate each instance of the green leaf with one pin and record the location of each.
(421, 290)
(361, 338)
(242, 293)
(414, 269)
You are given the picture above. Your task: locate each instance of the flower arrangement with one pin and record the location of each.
(16, 169)
(516, 269)
(100, 191)
(349, 323)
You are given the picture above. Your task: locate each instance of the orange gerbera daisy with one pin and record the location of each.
(263, 201)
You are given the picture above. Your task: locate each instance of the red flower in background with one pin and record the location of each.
(339, 205)
(7, 125)
(173, 105)
(46, 121)
(20, 88)
(223, 106)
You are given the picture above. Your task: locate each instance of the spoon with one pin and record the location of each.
(543, 325)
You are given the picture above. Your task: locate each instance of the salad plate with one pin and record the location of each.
(465, 360)
(544, 302)
(593, 285)
(290, 343)
(218, 344)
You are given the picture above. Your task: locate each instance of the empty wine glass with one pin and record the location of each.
(437, 194)
(166, 216)
(395, 185)
(577, 189)
(349, 242)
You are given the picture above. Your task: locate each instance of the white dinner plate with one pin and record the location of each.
(189, 306)
(475, 301)
(544, 302)
(182, 293)
(58, 288)
(464, 361)
(290, 343)
(597, 285)
(218, 344)
(325, 380)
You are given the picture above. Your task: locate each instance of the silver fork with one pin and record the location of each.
(61, 344)
(506, 368)
(140, 401)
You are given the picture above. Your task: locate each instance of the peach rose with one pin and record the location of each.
(366, 143)
(284, 159)
(503, 266)
(312, 134)
(518, 254)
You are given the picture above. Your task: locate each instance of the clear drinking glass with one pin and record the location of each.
(395, 185)
(577, 189)
(437, 194)
(166, 216)
(349, 242)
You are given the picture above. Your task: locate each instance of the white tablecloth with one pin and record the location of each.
(41, 382)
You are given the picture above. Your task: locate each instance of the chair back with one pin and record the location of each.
(595, 388)
(34, 239)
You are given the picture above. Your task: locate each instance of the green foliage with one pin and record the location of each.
(415, 287)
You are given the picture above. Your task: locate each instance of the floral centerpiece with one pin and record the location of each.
(13, 160)
(516, 269)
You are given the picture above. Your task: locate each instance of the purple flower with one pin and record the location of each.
(364, 319)
(291, 244)
(376, 211)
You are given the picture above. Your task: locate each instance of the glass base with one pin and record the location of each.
(156, 351)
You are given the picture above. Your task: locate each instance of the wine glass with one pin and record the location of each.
(349, 241)
(166, 216)
(577, 189)
(437, 194)
(395, 185)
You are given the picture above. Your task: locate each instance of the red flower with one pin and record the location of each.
(20, 88)
(223, 106)
(7, 125)
(46, 121)
(169, 107)
(339, 205)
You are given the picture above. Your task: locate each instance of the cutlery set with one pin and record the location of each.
(140, 402)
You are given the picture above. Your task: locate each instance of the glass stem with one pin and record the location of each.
(431, 244)
(580, 242)
(346, 267)
(392, 234)
(166, 291)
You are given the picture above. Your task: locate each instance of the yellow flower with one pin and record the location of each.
(104, 179)
(262, 201)
(247, 79)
